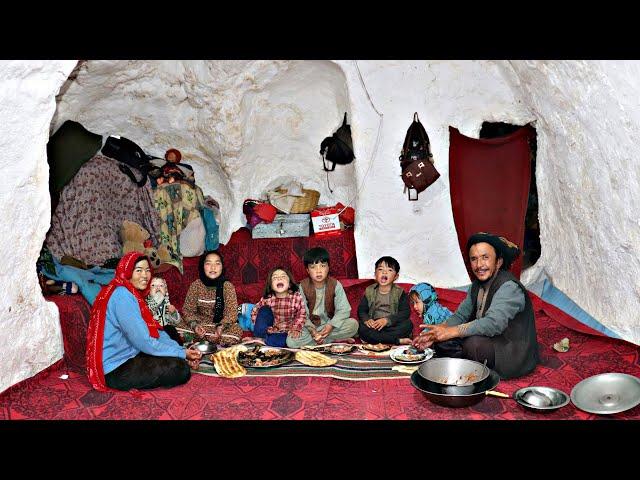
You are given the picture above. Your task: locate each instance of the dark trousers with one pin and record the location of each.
(146, 371)
(264, 320)
(390, 335)
(477, 347)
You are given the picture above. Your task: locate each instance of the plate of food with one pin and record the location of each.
(340, 348)
(378, 347)
(264, 357)
(411, 355)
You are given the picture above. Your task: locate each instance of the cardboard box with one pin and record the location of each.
(325, 221)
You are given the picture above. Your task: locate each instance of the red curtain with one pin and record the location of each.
(489, 181)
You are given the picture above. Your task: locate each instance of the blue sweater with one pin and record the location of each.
(126, 334)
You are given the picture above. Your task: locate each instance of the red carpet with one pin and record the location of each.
(46, 396)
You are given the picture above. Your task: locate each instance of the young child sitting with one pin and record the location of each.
(424, 300)
(384, 310)
(163, 312)
(280, 315)
(327, 303)
(211, 305)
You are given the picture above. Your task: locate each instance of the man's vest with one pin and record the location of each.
(516, 348)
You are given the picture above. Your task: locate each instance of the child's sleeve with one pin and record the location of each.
(363, 310)
(173, 318)
(301, 312)
(342, 306)
(190, 308)
(230, 303)
(256, 307)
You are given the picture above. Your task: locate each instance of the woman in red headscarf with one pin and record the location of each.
(126, 347)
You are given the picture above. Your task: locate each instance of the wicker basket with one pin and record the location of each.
(303, 204)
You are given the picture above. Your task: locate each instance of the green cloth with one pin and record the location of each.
(68, 149)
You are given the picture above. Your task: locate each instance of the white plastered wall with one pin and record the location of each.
(30, 335)
(243, 124)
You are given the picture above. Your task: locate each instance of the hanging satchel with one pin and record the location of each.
(416, 160)
(338, 148)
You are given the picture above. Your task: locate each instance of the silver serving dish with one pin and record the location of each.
(607, 393)
(458, 372)
(543, 399)
(205, 347)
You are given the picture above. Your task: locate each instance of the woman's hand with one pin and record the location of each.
(200, 331)
(193, 358)
(171, 308)
(193, 354)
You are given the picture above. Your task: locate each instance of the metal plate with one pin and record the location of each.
(607, 393)
(399, 355)
(284, 356)
(541, 398)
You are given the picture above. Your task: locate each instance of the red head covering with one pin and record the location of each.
(95, 335)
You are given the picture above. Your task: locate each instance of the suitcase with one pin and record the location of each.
(284, 226)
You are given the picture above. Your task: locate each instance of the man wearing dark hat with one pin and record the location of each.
(495, 322)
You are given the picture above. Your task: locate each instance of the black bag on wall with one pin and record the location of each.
(416, 160)
(338, 149)
(129, 154)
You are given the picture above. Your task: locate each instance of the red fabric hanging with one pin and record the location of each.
(489, 182)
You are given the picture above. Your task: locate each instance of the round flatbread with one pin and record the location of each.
(226, 363)
(314, 359)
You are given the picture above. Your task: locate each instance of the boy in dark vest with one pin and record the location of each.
(326, 302)
(495, 322)
(384, 310)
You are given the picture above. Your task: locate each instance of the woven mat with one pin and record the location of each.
(349, 367)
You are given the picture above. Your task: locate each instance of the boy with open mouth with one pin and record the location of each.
(384, 310)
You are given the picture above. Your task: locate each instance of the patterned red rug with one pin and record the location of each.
(46, 396)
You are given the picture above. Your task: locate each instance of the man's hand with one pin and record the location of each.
(200, 331)
(442, 332)
(369, 323)
(422, 341)
(171, 308)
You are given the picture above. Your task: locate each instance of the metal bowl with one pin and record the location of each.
(544, 399)
(607, 393)
(436, 393)
(205, 347)
(457, 372)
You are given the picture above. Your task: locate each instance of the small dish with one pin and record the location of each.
(401, 355)
(340, 348)
(541, 398)
(378, 347)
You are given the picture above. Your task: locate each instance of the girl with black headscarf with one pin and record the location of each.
(211, 305)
